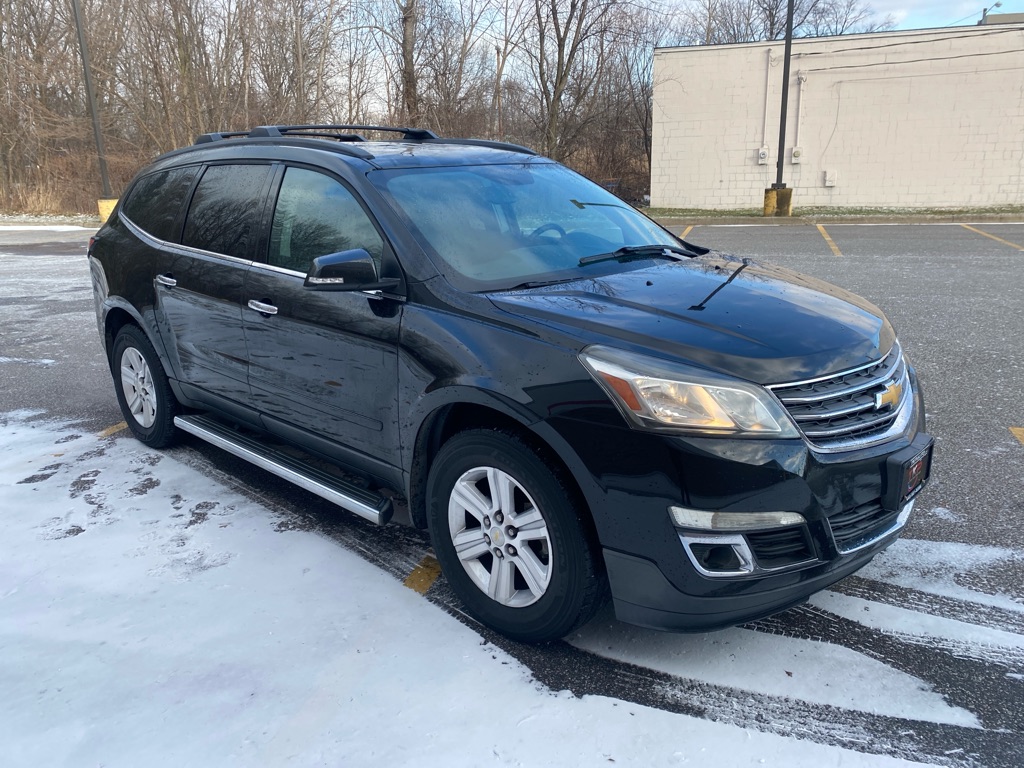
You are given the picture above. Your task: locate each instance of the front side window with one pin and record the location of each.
(224, 216)
(155, 201)
(316, 215)
(495, 226)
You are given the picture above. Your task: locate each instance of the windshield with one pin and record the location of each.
(491, 227)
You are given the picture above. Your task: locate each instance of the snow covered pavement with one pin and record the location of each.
(150, 615)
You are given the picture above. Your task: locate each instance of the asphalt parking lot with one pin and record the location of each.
(956, 579)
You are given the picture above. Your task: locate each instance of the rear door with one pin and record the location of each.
(199, 294)
(323, 362)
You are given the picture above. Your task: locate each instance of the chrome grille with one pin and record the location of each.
(851, 408)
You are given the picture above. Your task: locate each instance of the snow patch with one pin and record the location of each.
(808, 670)
(27, 361)
(947, 514)
(177, 627)
(931, 566)
(958, 638)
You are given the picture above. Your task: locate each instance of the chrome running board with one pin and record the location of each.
(372, 506)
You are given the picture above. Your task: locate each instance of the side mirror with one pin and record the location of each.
(353, 270)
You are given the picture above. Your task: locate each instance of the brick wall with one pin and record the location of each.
(905, 119)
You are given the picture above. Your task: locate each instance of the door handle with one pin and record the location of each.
(262, 308)
(167, 280)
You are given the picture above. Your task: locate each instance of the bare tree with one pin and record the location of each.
(571, 78)
(841, 17)
(742, 21)
(566, 52)
(455, 77)
(508, 21)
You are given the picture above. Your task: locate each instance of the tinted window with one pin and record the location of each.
(155, 201)
(225, 213)
(315, 216)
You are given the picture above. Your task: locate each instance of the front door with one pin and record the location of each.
(324, 362)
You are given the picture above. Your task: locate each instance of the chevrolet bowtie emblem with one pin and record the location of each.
(890, 397)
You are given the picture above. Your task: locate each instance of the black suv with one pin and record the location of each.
(572, 399)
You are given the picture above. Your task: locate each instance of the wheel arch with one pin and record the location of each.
(454, 417)
(117, 317)
(118, 313)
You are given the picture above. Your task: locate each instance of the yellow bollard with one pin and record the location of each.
(778, 202)
(106, 207)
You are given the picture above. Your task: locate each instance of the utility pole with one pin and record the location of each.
(91, 96)
(778, 200)
(786, 56)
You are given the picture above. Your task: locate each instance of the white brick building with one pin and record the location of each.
(931, 118)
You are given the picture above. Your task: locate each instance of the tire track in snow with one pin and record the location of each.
(978, 686)
(988, 616)
(560, 666)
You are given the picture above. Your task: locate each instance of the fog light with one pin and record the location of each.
(706, 520)
(718, 555)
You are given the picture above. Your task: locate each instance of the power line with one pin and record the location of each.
(910, 61)
(965, 18)
(904, 43)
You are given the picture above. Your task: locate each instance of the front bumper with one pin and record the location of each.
(643, 596)
(845, 499)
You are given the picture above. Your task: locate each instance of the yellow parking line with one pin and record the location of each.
(423, 575)
(686, 231)
(113, 430)
(993, 237)
(1018, 432)
(831, 243)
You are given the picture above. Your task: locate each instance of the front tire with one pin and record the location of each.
(510, 537)
(143, 392)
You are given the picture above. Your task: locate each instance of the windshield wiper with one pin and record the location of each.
(540, 283)
(625, 253)
(582, 206)
(640, 252)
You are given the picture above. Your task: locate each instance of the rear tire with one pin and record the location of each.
(510, 537)
(143, 392)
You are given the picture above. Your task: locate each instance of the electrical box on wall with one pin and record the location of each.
(797, 155)
(762, 156)
(830, 178)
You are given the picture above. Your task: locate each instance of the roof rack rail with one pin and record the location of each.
(268, 131)
(206, 138)
(352, 137)
(486, 143)
(276, 131)
(346, 134)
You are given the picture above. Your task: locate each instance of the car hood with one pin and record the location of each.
(758, 322)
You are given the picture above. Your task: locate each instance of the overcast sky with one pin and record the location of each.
(925, 14)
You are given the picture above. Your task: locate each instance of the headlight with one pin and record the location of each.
(658, 394)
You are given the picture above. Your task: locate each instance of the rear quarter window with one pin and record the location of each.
(155, 201)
